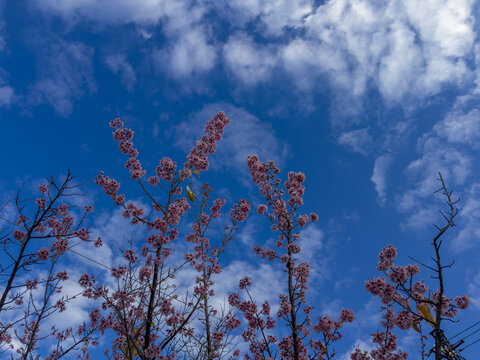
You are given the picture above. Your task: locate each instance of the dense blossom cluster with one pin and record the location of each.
(197, 159)
(124, 137)
(240, 211)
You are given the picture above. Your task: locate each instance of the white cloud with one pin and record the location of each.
(436, 156)
(314, 252)
(66, 72)
(119, 11)
(119, 64)
(7, 95)
(469, 234)
(267, 282)
(188, 56)
(460, 127)
(401, 65)
(306, 60)
(474, 290)
(359, 141)
(404, 49)
(249, 62)
(379, 176)
(274, 15)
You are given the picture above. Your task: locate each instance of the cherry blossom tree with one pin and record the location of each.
(408, 302)
(150, 316)
(282, 210)
(32, 274)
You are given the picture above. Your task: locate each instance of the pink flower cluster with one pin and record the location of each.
(295, 188)
(240, 211)
(257, 169)
(59, 246)
(330, 328)
(124, 136)
(217, 207)
(166, 170)
(386, 341)
(43, 254)
(197, 159)
(109, 186)
(176, 211)
(259, 322)
(19, 235)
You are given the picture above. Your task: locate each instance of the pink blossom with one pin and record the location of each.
(19, 235)
(360, 355)
(61, 275)
(266, 308)
(386, 257)
(88, 209)
(98, 242)
(462, 302)
(217, 337)
(129, 254)
(85, 280)
(243, 283)
(60, 305)
(284, 309)
(404, 320)
(295, 188)
(32, 284)
(419, 289)
(303, 220)
(117, 273)
(109, 186)
(116, 123)
(346, 316)
(412, 269)
(43, 188)
(261, 209)
(240, 212)
(398, 275)
(43, 254)
(217, 206)
(41, 203)
(59, 246)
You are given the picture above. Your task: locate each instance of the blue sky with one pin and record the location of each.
(369, 98)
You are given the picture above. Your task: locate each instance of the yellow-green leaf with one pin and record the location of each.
(190, 194)
(415, 327)
(425, 311)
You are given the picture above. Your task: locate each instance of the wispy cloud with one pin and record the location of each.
(119, 65)
(379, 176)
(65, 72)
(189, 55)
(249, 62)
(359, 141)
